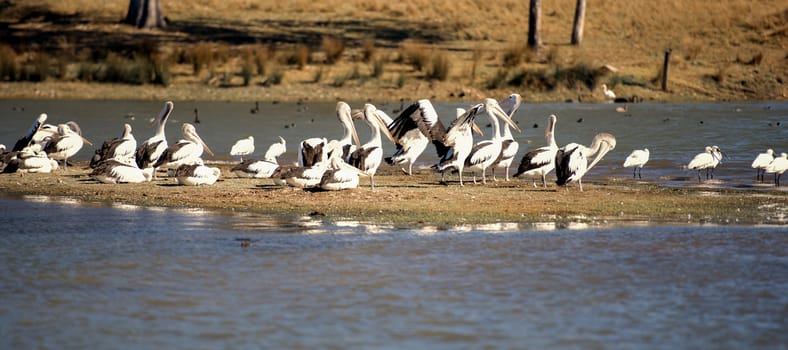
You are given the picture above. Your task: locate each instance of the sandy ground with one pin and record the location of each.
(420, 199)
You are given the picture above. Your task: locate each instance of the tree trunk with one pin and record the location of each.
(580, 18)
(145, 14)
(534, 25)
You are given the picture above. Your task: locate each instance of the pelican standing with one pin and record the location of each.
(484, 153)
(243, 147)
(186, 151)
(368, 157)
(414, 128)
(112, 171)
(28, 138)
(609, 94)
(64, 146)
(637, 159)
(148, 152)
(571, 161)
(459, 141)
(121, 149)
(708, 160)
(316, 149)
(197, 174)
(761, 162)
(541, 161)
(509, 146)
(778, 166)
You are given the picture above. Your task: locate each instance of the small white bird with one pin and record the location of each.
(275, 150)
(243, 147)
(778, 166)
(708, 160)
(761, 162)
(637, 159)
(609, 94)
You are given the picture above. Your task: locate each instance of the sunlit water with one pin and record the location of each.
(673, 132)
(91, 276)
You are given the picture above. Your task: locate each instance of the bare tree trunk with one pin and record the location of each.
(534, 25)
(580, 18)
(145, 14)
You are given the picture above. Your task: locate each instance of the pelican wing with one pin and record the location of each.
(478, 154)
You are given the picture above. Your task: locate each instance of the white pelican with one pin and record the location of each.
(305, 177)
(778, 166)
(571, 161)
(368, 157)
(197, 174)
(509, 146)
(148, 152)
(67, 144)
(414, 128)
(708, 160)
(112, 171)
(275, 150)
(316, 149)
(121, 149)
(29, 136)
(637, 159)
(484, 153)
(541, 161)
(609, 94)
(761, 162)
(243, 147)
(340, 176)
(459, 141)
(186, 151)
(32, 159)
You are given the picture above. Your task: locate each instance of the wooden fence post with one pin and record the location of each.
(665, 70)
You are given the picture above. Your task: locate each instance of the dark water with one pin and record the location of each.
(90, 276)
(673, 132)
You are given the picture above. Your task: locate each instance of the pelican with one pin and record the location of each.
(609, 94)
(148, 152)
(243, 147)
(187, 151)
(112, 171)
(305, 177)
(708, 160)
(541, 161)
(28, 138)
(275, 150)
(317, 149)
(368, 157)
(459, 140)
(340, 176)
(778, 167)
(637, 159)
(197, 174)
(253, 168)
(509, 146)
(414, 128)
(31, 159)
(121, 149)
(484, 153)
(67, 144)
(571, 161)
(761, 162)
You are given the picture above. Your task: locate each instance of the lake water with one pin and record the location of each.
(674, 133)
(81, 275)
(91, 275)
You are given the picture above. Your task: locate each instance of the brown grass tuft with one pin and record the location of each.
(332, 48)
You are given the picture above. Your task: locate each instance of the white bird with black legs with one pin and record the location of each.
(708, 160)
(197, 174)
(122, 149)
(761, 162)
(484, 153)
(243, 147)
(314, 150)
(29, 137)
(149, 152)
(541, 161)
(112, 171)
(65, 145)
(368, 157)
(609, 94)
(186, 151)
(413, 130)
(777, 167)
(637, 159)
(571, 161)
(458, 141)
(509, 146)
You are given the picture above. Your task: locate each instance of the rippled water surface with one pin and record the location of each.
(89, 276)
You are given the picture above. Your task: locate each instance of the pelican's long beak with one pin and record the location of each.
(383, 127)
(604, 147)
(206, 148)
(346, 116)
(475, 127)
(85, 141)
(496, 110)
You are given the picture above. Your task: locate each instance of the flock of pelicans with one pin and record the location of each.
(339, 164)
